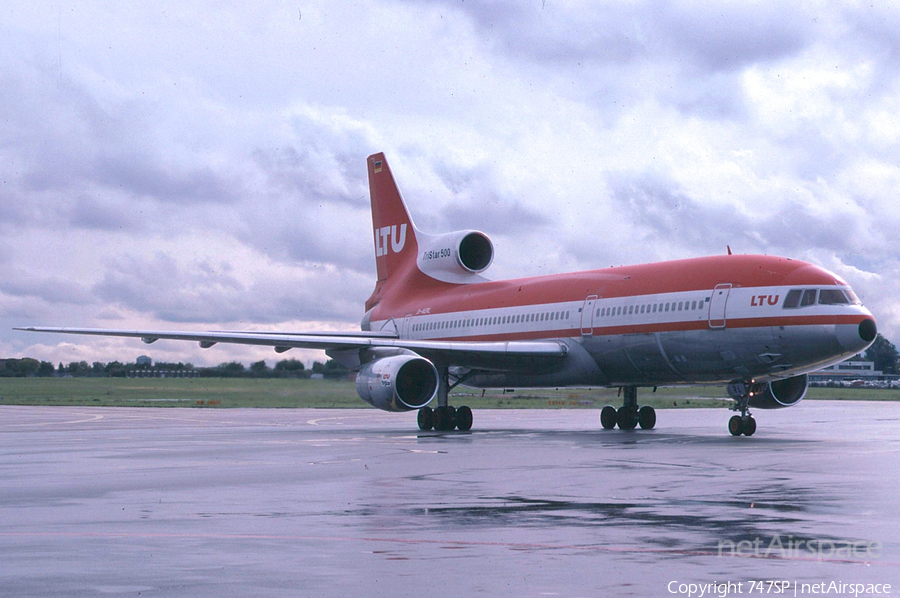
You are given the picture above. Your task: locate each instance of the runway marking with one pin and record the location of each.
(445, 543)
(315, 422)
(92, 418)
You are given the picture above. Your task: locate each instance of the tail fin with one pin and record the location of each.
(395, 235)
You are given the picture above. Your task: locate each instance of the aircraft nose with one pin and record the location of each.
(859, 337)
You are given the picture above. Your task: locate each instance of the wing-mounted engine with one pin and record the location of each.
(398, 383)
(458, 257)
(778, 394)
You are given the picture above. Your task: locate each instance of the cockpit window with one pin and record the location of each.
(793, 299)
(832, 297)
(809, 297)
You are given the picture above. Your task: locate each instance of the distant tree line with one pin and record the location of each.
(882, 352)
(286, 368)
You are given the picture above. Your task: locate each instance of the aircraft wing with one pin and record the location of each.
(489, 355)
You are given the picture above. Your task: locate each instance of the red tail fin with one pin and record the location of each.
(395, 235)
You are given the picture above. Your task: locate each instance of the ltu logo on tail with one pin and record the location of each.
(386, 237)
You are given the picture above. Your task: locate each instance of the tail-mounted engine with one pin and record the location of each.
(777, 394)
(398, 383)
(458, 257)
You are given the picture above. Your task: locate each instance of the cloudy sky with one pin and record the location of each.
(202, 166)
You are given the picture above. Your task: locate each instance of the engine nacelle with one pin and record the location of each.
(455, 257)
(398, 383)
(780, 393)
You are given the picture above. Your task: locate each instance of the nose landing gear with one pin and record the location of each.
(628, 416)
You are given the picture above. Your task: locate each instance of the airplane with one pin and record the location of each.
(757, 324)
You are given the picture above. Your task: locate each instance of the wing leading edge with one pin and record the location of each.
(505, 355)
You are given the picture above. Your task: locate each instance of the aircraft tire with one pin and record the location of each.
(626, 418)
(749, 426)
(464, 419)
(425, 418)
(608, 417)
(736, 425)
(440, 419)
(647, 417)
(451, 417)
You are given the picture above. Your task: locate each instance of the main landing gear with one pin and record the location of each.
(445, 418)
(743, 423)
(628, 416)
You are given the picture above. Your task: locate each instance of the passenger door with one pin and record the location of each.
(587, 316)
(717, 305)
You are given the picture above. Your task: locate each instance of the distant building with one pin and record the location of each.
(854, 369)
(848, 370)
(144, 360)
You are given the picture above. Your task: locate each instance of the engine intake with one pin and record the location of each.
(780, 393)
(397, 383)
(475, 252)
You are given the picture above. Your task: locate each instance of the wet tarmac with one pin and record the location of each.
(191, 502)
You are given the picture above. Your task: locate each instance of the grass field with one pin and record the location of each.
(231, 392)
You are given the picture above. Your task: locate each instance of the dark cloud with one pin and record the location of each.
(94, 213)
(147, 177)
(723, 37)
(729, 36)
(206, 292)
(663, 211)
(474, 202)
(52, 290)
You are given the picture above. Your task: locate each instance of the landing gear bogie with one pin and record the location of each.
(628, 416)
(445, 418)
